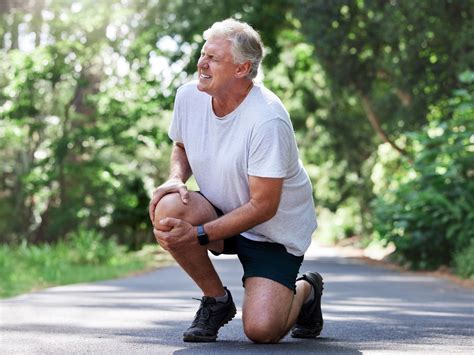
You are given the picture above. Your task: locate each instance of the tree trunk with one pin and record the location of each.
(37, 21)
(14, 30)
(404, 97)
(375, 122)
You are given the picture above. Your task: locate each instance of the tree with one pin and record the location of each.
(385, 63)
(73, 126)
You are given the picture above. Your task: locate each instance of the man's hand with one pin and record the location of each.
(172, 185)
(181, 235)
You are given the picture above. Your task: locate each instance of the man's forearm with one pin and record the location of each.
(264, 200)
(179, 164)
(235, 222)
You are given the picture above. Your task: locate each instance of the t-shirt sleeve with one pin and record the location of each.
(175, 129)
(270, 149)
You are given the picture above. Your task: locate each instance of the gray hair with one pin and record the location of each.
(246, 42)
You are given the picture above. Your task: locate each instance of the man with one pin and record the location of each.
(255, 198)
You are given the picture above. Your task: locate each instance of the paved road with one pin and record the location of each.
(367, 310)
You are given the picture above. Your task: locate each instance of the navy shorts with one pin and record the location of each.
(263, 259)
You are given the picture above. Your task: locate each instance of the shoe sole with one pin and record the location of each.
(210, 338)
(303, 333)
(306, 335)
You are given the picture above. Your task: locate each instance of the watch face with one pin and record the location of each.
(203, 239)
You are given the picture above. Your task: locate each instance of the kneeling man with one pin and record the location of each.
(255, 197)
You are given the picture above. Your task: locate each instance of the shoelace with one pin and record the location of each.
(203, 313)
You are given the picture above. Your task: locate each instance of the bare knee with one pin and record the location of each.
(170, 205)
(198, 210)
(262, 332)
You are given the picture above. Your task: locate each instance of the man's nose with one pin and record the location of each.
(202, 62)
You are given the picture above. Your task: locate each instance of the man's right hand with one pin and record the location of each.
(172, 185)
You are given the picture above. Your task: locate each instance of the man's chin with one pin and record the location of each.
(201, 87)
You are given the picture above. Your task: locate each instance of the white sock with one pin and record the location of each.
(222, 299)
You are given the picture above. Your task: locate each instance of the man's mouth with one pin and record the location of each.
(204, 76)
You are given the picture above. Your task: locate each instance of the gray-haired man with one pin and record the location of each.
(255, 198)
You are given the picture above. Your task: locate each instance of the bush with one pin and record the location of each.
(342, 224)
(429, 212)
(464, 262)
(74, 156)
(90, 247)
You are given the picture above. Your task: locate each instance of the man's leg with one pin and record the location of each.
(217, 306)
(270, 309)
(194, 261)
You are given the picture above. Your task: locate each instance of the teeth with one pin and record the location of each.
(205, 76)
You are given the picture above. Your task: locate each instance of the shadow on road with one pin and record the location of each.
(321, 345)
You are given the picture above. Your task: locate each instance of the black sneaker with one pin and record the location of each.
(310, 320)
(210, 316)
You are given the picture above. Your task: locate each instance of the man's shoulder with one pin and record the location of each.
(268, 104)
(190, 85)
(266, 93)
(189, 89)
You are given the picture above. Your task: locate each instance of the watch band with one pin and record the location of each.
(202, 237)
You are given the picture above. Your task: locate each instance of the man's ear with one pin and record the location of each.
(243, 69)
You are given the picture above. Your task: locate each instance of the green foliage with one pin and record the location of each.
(429, 211)
(81, 143)
(405, 45)
(339, 225)
(90, 247)
(386, 61)
(85, 256)
(464, 261)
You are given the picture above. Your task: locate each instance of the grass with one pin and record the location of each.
(84, 257)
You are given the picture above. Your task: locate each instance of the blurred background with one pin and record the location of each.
(380, 94)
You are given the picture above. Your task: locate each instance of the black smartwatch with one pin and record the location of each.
(203, 239)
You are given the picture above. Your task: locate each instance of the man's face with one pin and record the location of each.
(215, 66)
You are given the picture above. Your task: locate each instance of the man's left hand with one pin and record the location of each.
(180, 236)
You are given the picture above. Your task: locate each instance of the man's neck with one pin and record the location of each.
(224, 105)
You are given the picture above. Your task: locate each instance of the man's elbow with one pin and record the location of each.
(268, 213)
(263, 210)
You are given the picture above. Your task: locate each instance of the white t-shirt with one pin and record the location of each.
(255, 139)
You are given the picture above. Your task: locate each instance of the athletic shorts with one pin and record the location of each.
(263, 259)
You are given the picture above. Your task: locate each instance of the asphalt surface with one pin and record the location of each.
(367, 310)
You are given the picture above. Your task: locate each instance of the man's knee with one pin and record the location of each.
(170, 205)
(262, 332)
